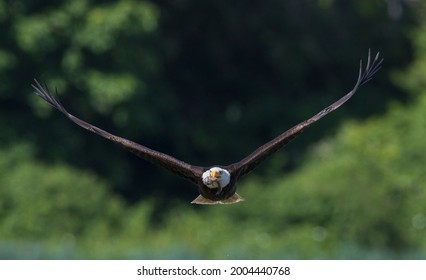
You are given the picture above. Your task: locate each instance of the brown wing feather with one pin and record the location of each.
(170, 163)
(258, 156)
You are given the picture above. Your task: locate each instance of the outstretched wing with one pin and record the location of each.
(258, 156)
(170, 163)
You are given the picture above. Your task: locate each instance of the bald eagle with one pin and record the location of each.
(217, 184)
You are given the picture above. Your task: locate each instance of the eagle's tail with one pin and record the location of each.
(233, 199)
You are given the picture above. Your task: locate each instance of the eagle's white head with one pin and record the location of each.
(216, 177)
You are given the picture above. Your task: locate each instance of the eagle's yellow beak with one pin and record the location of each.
(215, 174)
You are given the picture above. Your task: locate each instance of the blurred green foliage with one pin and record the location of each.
(208, 82)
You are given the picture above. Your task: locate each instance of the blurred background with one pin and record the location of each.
(208, 82)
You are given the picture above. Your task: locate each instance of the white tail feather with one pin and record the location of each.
(233, 199)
